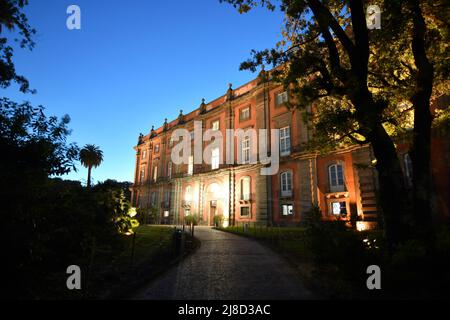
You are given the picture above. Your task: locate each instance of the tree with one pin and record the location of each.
(91, 157)
(14, 21)
(32, 147)
(363, 85)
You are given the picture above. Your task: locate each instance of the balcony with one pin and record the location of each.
(186, 204)
(165, 204)
(287, 194)
(246, 198)
(162, 179)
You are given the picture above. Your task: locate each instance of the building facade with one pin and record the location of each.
(343, 183)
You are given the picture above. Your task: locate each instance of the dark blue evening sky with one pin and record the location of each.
(134, 63)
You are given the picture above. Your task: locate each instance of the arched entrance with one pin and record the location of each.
(213, 206)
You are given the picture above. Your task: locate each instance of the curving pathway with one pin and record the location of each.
(227, 266)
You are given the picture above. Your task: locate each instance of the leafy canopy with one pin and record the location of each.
(91, 156)
(316, 57)
(13, 25)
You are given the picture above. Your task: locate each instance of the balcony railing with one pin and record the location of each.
(246, 197)
(186, 203)
(289, 194)
(165, 204)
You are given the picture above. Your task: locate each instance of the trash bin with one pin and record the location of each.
(177, 241)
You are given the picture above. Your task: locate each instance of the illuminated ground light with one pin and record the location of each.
(365, 225)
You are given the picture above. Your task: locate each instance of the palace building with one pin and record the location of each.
(343, 183)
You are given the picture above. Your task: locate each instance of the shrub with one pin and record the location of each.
(191, 219)
(218, 220)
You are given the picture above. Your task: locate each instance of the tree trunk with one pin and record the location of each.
(421, 148)
(393, 196)
(89, 177)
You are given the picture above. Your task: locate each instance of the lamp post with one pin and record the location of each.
(133, 243)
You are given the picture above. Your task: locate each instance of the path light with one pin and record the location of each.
(131, 233)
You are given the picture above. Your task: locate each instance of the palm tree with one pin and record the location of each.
(91, 157)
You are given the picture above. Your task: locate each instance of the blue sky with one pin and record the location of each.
(133, 64)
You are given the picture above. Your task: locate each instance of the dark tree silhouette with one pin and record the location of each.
(91, 157)
(14, 22)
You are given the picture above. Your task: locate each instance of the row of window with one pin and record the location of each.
(285, 149)
(335, 171)
(166, 200)
(244, 114)
(335, 176)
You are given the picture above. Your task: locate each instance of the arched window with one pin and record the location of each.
(215, 158)
(286, 184)
(187, 194)
(155, 173)
(169, 169)
(191, 166)
(407, 163)
(245, 188)
(336, 177)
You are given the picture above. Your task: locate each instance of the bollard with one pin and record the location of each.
(177, 240)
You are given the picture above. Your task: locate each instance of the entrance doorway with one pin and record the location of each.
(212, 211)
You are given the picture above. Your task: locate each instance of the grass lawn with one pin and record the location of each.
(115, 271)
(289, 241)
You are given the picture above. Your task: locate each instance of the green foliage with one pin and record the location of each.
(48, 223)
(442, 120)
(191, 219)
(344, 253)
(91, 156)
(39, 141)
(218, 220)
(316, 60)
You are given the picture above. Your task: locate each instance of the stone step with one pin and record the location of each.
(368, 195)
(368, 201)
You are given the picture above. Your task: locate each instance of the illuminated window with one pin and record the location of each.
(287, 209)
(215, 125)
(142, 175)
(246, 149)
(215, 158)
(285, 141)
(282, 98)
(245, 188)
(191, 165)
(286, 184)
(166, 214)
(408, 168)
(155, 173)
(187, 212)
(245, 212)
(339, 208)
(187, 194)
(157, 148)
(169, 169)
(245, 114)
(336, 178)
